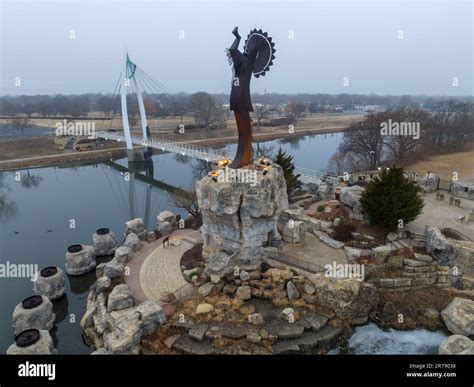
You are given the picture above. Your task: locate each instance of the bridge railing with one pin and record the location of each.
(211, 154)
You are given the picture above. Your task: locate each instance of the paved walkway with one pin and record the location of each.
(160, 271)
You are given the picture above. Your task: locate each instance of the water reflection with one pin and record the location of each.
(8, 207)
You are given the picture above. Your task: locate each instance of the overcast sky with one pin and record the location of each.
(318, 44)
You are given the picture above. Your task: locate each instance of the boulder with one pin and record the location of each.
(120, 298)
(123, 254)
(164, 228)
(104, 244)
(206, 289)
(350, 197)
(135, 226)
(439, 246)
(151, 316)
(255, 319)
(102, 284)
(126, 335)
(463, 256)
(80, 262)
(204, 308)
(428, 182)
(166, 216)
(463, 190)
(292, 291)
(380, 253)
(327, 240)
(198, 331)
(309, 288)
(456, 345)
(113, 269)
(459, 316)
(52, 287)
(44, 346)
(39, 317)
(294, 232)
(133, 242)
(244, 275)
(352, 253)
(288, 314)
(348, 297)
(244, 292)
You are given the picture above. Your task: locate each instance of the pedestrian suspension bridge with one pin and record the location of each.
(135, 80)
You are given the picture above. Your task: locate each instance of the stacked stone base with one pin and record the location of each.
(418, 273)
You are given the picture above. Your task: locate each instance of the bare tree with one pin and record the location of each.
(20, 123)
(187, 200)
(206, 111)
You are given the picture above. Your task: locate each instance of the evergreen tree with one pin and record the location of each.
(390, 197)
(286, 162)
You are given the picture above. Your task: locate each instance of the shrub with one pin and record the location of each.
(320, 208)
(343, 231)
(391, 197)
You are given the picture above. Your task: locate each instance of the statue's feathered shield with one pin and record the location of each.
(260, 41)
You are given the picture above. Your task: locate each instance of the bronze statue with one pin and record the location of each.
(257, 58)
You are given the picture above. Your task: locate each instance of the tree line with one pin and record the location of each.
(446, 127)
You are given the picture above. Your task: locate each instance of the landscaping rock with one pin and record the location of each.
(166, 216)
(135, 226)
(197, 332)
(164, 228)
(206, 289)
(380, 253)
(294, 232)
(326, 239)
(123, 254)
(244, 292)
(456, 345)
(459, 316)
(350, 196)
(204, 308)
(120, 298)
(133, 241)
(292, 291)
(255, 319)
(439, 246)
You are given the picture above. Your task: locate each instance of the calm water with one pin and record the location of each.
(36, 213)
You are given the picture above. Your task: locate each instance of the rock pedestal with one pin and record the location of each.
(240, 218)
(32, 342)
(33, 313)
(104, 242)
(80, 259)
(50, 283)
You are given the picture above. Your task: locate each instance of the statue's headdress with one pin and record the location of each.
(262, 43)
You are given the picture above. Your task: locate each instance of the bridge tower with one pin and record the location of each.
(137, 154)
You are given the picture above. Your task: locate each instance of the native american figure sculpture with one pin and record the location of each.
(256, 59)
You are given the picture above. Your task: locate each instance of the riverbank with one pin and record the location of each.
(41, 152)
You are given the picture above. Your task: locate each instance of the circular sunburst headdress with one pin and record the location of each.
(260, 41)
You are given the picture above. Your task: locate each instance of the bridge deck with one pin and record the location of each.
(210, 154)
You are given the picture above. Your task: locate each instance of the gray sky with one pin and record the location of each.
(331, 40)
